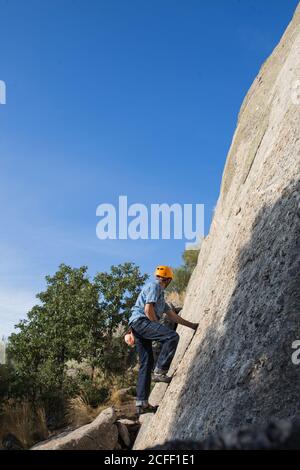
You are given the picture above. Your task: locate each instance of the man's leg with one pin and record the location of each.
(145, 353)
(154, 331)
(167, 353)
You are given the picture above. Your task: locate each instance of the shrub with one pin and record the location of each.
(183, 273)
(24, 421)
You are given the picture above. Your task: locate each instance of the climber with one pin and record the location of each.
(145, 327)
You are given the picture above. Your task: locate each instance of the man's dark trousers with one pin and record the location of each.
(146, 331)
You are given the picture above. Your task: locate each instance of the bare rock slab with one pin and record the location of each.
(157, 393)
(145, 421)
(100, 434)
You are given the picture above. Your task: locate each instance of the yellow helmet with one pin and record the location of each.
(164, 271)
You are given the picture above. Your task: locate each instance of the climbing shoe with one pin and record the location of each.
(161, 377)
(145, 409)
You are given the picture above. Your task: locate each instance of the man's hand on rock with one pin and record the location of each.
(195, 326)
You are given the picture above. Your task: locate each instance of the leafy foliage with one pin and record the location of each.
(118, 291)
(76, 319)
(183, 273)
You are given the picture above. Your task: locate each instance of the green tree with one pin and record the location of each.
(183, 273)
(118, 291)
(76, 319)
(56, 330)
(190, 258)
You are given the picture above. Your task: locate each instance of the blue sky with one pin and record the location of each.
(115, 97)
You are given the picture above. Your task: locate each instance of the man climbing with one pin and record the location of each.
(144, 323)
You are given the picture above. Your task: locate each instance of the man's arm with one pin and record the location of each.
(150, 312)
(177, 319)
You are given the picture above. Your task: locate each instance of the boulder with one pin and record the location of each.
(100, 434)
(123, 433)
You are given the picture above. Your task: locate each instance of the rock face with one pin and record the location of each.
(277, 435)
(146, 422)
(237, 369)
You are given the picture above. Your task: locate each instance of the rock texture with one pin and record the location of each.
(157, 393)
(124, 433)
(146, 423)
(277, 435)
(101, 434)
(244, 292)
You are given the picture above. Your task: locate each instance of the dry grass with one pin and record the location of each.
(28, 423)
(119, 397)
(25, 422)
(79, 412)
